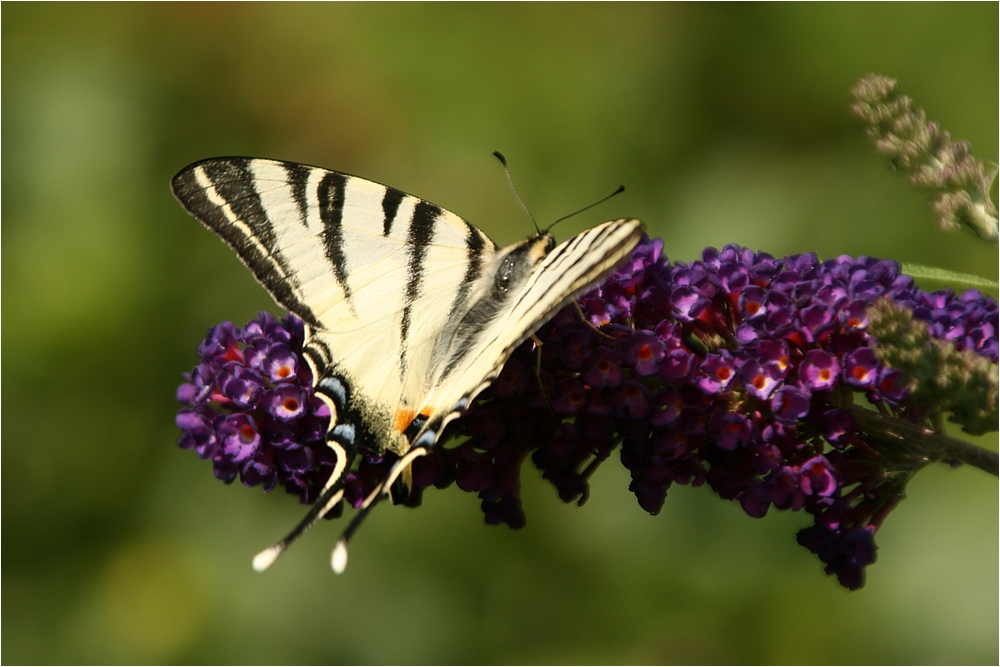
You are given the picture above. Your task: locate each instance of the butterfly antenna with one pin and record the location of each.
(621, 189)
(338, 559)
(510, 180)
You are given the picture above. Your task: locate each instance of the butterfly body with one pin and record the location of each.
(410, 311)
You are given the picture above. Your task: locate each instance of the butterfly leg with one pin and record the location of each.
(332, 493)
(538, 372)
(338, 559)
(586, 320)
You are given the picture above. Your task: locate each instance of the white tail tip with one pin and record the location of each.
(338, 559)
(266, 558)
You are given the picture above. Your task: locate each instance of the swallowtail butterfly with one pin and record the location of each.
(409, 310)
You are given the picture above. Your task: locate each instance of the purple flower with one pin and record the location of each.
(732, 371)
(836, 425)
(820, 370)
(689, 303)
(239, 436)
(603, 368)
(760, 380)
(286, 402)
(731, 429)
(243, 386)
(677, 365)
(645, 352)
(845, 552)
(790, 404)
(631, 400)
(752, 301)
(774, 353)
(249, 407)
(222, 344)
(718, 371)
(891, 386)
(570, 396)
(818, 477)
(197, 433)
(279, 364)
(861, 368)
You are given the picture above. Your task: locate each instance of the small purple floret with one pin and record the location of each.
(861, 368)
(820, 370)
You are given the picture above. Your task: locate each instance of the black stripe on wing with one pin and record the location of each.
(331, 194)
(419, 236)
(390, 205)
(477, 247)
(298, 179)
(227, 202)
(589, 248)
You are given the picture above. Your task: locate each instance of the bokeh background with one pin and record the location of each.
(727, 123)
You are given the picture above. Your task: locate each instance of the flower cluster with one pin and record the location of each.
(250, 409)
(737, 371)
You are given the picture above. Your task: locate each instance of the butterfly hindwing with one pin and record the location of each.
(410, 311)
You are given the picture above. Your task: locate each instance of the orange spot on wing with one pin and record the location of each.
(405, 417)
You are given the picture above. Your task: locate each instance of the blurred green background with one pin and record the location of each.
(727, 123)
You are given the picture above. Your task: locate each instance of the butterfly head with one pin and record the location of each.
(519, 260)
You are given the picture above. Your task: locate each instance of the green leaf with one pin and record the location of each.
(945, 278)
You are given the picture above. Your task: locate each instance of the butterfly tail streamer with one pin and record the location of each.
(338, 559)
(332, 494)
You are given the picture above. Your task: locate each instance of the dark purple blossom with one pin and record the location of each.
(241, 385)
(631, 400)
(820, 370)
(644, 353)
(760, 379)
(736, 370)
(718, 370)
(861, 368)
(731, 430)
(790, 404)
(603, 368)
(286, 402)
(239, 435)
(755, 355)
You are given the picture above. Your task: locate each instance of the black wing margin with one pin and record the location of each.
(222, 193)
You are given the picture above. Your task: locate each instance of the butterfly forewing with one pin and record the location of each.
(374, 272)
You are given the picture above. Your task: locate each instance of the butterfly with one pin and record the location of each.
(409, 310)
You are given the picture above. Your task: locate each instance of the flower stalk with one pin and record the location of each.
(891, 434)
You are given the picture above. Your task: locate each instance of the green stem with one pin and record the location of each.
(918, 441)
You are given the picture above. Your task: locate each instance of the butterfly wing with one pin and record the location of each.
(374, 273)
